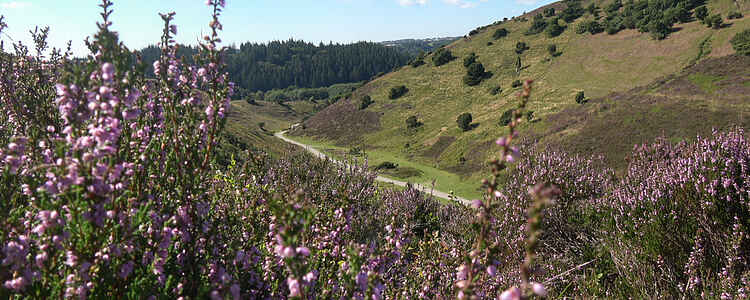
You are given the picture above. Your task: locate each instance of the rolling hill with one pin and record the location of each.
(637, 88)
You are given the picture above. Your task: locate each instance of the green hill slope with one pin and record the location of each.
(599, 65)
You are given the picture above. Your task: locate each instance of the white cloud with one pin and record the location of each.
(14, 4)
(464, 3)
(412, 2)
(527, 2)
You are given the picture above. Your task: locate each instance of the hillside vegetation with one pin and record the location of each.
(635, 87)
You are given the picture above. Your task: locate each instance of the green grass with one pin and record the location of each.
(706, 82)
(444, 180)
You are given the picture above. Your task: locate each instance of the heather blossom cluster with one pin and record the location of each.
(111, 186)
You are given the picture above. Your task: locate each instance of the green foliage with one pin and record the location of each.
(442, 56)
(516, 84)
(591, 26)
(660, 29)
(474, 74)
(496, 90)
(701, 13)
(386, 165)
(614, 6)
(580, 97)
(714, 21)
(470, 59)
(506, 117)
(397, 92)
(537, 25)
(500, 33)
(521, 47)
(741, 42)
(552, 50)
(735, 15)
(549, 12)
(412, 122)
(280, 64)
(464, 121)
(365, 101)
(573, 11)
(418, 61)
(553, 28)
(593, 9)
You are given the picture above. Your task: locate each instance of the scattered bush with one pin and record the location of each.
(386, 165)
(397, 92)
(496, 90)
(516, 84)
(735, 15)
(475, 73)
(500, 33)
(412, 122)
(537, 25)
(741, 42)
(714, 21)
(442, 56)
(521, 47)
(592, 27)
(701, 13)
(580, 97)
(470, 59)
(572, 12)
(552, 50)
(464, 121)
(549, 12)
(506, 117)
(365, 101)
(490, 43)
(553, 28)
(660, 29)
(417, 62)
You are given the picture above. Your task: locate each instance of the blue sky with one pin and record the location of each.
(138, 23)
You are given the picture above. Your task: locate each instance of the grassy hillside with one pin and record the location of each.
(243, 123)
(599, 65)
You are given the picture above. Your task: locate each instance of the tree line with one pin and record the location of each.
(281, 64)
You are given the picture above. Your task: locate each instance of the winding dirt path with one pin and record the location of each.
(422, 188)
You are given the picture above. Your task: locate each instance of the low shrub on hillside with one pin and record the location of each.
(734, 15)
(495, 90)
(442, 56)
(580, 97)
(741, 42)
(470, 59)
(553, 28)
(701, 13)
(475, 73)
(500, 33)
(365, 101)
(549, 12)
(516, 83)
(714, 21)
(412, 122)
(397, 92)
(521, 47)
(538, 25)
(464, 121)
(591, 26)
(386, 165)
(552, 50)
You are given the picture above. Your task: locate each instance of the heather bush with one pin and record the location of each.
(681, 217)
